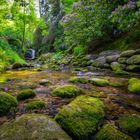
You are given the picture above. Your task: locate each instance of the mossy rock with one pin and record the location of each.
(35, 105)
(32, 127)
(116, 84)
(99, 82)
(81, 117)
(122, 60)
(7, 102)
(134, 60)
(121, 72)
(109, 132)
(67, 91)
(133, 67)
(127, 53)
(26, 94)
(45, 82)
(130, 124)
(134, 85)
(78, 80)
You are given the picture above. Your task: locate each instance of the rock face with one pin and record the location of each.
(109, 132)
(81, 117)
(32, 127)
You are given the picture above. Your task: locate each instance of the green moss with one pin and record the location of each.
(135, 59)
(99, 82)
(121, 72)
(109, 132)
(78, 80)
(3, 79)
(134, 85)
(81, 117)
(67, 91)
(130, 124)
(35, 105)
(32, 127)
(26, 94)
(7, 102)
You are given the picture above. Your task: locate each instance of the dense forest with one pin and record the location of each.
(69, 70)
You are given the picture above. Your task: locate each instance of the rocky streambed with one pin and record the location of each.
(69, 104)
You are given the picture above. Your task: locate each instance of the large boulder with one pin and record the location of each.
(109, 53)
(32, 127)
(127, 53)
(130, 124)
(109, 132)
(81, 117)
(99, 62)
(134, 60)
(134, 85)
(122, 60)
(112, 58)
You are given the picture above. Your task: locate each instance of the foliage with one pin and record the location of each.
(7, 102)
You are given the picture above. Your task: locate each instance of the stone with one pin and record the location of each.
(130, 124)
(32, 127)
(99, 82)
(45, 82)
(109, 53)
(81, 117)
(134, 85)
(99, 62)
(127, 53)
(135, 59)
(67, 91)
(134, 68)
(112, 58)
(78, 80)
(109, 132)
(122, 60)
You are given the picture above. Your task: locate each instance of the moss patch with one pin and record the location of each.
(32, 127)
(78, 80)
(7, 102)
(109, 132)
(26, 94)
(67, 91)
(130, 124)
(35, 105)
(99, 82)
(81, 117)
(134, 85)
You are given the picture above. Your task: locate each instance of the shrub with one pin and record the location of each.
(26, 94)
(7, 102)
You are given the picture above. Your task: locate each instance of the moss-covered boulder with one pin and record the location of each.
(99, 82)
(37, 104)
(127, 53)
(45, 82)
(32, 127)
(116, 67)
(7, 102)
(78, 80)
(135, 59)
(122, 60)
(134, 85)
(26, 94)
(81, 117)
(109, 132)
(67, 91)
(130, 124)
(133, 67)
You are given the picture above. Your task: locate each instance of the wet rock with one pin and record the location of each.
(112, 58)
(99, 82)
(122, 60)
(109, 132)
(33, 127)
(130, 124)
(67, 91)
(127, 53)
(134, 85)
(81, 117)
(45, 82)
(134, 60)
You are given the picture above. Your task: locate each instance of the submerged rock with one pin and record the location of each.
(134, 85)
(32, 127)
(67, 91)
(109, 132)
(130, 124)
(81, 117)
